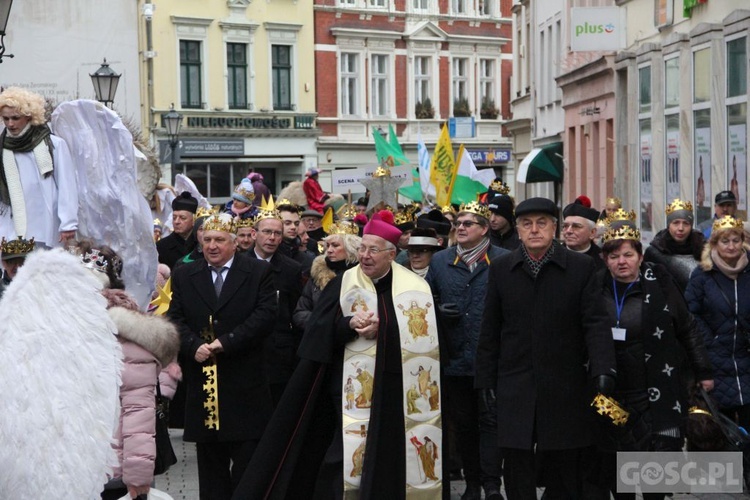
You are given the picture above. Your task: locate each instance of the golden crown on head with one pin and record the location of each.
(347, 211)
(381, 172)
(19, 246)
(621, 215)
(343, 227)
(678, 204)
(245, 193)
(728, 222)
(499, 187)
(267, 210)
(403, 217)
(286, 202)
(476, 208)
(448, 209)
(248, 222)
(614, 200)
(206, 212)
(157, 222)
(610, 408)
(220, 222)
(624, 232)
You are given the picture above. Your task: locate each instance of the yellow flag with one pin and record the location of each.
(443, 168)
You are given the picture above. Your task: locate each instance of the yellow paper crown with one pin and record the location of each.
(381, 172)
(347, 211)
(621, 215)
(403, 217)
(343, 227)
(614, 200)
(610, 408)
(245, 193)
(220, 222)
(678, 204)
(157, 222)
(726, 222)
(267, 210)
(286, 202)
(476, 208)
(206, 212)
(624, 232)
(499, 187)
(448, 209)
(19, 246)
(249, 222)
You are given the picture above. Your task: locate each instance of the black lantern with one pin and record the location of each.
(4, 15)
(173, 123)
(105, 83)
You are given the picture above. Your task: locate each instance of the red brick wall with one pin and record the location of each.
(325, 84)
(445, 86)
(402, 87)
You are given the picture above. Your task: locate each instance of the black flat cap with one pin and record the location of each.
(536, 206)
(578, 210)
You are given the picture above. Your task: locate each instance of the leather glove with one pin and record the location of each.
(449, 311)
(489, 399)
(605, 384)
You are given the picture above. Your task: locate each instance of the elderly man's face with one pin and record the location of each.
(218, 247)
(14, 121)
(374, 258)
(578, 232)
(311, 223)
(182, 222)
(536, 232)
(470, 230)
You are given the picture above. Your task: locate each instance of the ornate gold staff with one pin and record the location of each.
(211, 385)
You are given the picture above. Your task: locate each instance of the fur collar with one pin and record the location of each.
(320, 273)
(707, 263)
(154, 333)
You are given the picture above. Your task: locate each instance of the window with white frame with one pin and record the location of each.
(379, 85)
(485, 8)
(420, 5)
(349, 74)
(487, 88)
(460, 80)
(459, 7)
(422, 78)
(347, 3)
(377, 4)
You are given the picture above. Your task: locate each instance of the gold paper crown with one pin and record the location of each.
(220, 222)
(343, 227)
(381, 172)
(157, 222)
(474, 207)
(614, 200)
(621, 215)
(206, 212)
(19, 247)
(245, 193)
(624, 232)
(403, 217)
(267, 210)
(610, 408)
(678, 204)
(286, 202)
(726, 222)
(347, 211)
(248, 222)
(499, 187)
(448, 209)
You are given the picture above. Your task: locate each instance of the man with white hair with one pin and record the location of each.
(579, 231)
(223, 307)
(372, 333)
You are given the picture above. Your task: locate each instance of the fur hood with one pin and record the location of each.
(154, 333)
(320, 273)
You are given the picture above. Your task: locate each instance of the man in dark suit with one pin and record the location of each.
(222, 307)
(182, 240)
(281, 346)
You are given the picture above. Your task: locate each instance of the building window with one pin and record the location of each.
(672, 82)
(349, 84)
(422, 78)
(485, 8)
(420, 5)
(644, 90)
(378, 4)
(460, 78)
(348, 3)
(487, 90)
(701, 75)
(459, 7)
(737, 67)
(281, 67)
(237, 75)
(190, 74)
(379, 85)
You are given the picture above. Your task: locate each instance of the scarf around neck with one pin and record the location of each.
(730, 272)
(536, 264)
(472, 255)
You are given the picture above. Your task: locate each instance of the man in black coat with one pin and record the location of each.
(281, 346)
(542, 327)
(182, 240)
(579, 231)
(502, 223)
(228, 402)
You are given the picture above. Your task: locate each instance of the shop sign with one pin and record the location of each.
(597, 28)
(249, 122)
(489, 156)
(202, 148)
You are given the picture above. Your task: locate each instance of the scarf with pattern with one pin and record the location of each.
(535, 265)
(473, 255)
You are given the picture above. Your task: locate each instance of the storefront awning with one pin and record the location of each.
(543, 164)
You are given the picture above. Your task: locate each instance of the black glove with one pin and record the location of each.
(449, 311)
(605, 384)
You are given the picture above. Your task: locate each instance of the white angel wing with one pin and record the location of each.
(111, 209)
(60, 386)
(184, 183)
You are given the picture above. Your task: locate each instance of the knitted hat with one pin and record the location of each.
(381, 225)
(185, 202)
(502, 205)
(244, 192)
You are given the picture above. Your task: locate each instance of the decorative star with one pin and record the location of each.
(648, 356)
(658, 332)
(160, 304)
(677, 406)
(382, 189)
(668, 369)
(666, 307)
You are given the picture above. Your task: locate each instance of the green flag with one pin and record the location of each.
(385, 152)
(413, 192)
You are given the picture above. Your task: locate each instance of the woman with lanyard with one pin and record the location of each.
(653, 333)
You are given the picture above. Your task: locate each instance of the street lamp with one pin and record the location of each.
(173, 123)
(4, 15)
(105, 83)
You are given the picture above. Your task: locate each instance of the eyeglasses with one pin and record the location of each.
(271, 232)
(371, 250)
(466, 223)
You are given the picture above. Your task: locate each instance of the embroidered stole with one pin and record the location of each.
(415, 314)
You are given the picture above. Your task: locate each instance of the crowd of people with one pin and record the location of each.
(327, 351)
